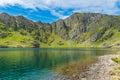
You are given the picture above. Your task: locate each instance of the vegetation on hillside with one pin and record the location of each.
(78, 30)
(115, 72)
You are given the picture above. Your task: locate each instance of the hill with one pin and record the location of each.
(78, 30)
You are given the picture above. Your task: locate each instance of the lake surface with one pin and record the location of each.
(39, 64)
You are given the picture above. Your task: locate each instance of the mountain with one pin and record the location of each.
(78, 30)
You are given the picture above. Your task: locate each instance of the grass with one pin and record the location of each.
(16, 40)
(115, 71)
(117, 60)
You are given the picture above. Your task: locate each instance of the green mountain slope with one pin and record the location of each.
(78, 30)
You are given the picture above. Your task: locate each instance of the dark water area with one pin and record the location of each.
(38, 63)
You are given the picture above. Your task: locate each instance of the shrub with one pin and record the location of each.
(35, 44)
(23, 32)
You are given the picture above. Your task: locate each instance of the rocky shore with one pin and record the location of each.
(100, 70)
(96, 71)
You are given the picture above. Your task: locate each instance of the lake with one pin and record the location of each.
(39, 63)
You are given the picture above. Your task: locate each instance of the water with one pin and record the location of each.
(38, 64)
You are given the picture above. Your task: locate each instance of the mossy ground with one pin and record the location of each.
(115, 71)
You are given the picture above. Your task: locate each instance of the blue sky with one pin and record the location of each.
(52, 10)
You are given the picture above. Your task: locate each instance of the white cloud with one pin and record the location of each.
(102, 6)
(9, 2)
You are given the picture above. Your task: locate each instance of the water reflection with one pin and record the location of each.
(34, 64)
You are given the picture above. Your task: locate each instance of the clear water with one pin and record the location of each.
(37, 64)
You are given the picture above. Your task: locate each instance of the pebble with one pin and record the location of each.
(97, 71)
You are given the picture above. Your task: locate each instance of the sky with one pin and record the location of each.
(52, 10)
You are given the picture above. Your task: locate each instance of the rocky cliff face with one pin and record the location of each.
(94, 24)
(79, 27)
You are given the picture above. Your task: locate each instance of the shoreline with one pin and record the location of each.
(100, 70)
